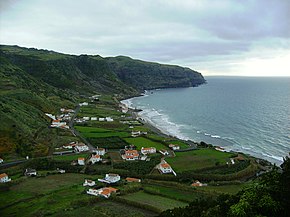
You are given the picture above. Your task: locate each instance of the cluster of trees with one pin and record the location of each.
(113, 142)
(269, 196)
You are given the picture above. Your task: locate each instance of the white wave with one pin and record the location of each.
(207, 134)
(215, 136)
(273, 156)
(198, 131)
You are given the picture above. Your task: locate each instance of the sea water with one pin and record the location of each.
(245, 114)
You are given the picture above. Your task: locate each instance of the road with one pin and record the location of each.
(76, 133)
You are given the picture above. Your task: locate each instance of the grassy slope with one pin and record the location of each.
(197, 159)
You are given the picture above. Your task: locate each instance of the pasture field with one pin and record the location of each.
(143, 142)
(198, 159)
(157, 201)
(95, 132)
(70, 157)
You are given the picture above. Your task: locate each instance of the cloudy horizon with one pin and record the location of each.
(243, 38)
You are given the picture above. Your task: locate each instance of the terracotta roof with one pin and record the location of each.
(55, 121)
(3, 175)
(128, 179)
(96, 156)
(165, 165)
(81, 158)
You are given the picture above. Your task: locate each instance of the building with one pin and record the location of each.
(95, 158)
(30, 172)
(81, 147)
(1, 160)
(89, 183)
(110, 178)
(94, 118)
(165, 168)
(84, 104)
(197, 183)
(81, 161)
(109, 119)
(101, 119)
(174, 147)
(100, 151)
(164, 152)
(130, 155)
(60, 170)
(150, 150)
(4, 178)
(135, 133)
(128, 179)
(59, 124)
(143, 157)
(104, 192)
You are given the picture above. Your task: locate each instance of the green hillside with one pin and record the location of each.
(34, 81)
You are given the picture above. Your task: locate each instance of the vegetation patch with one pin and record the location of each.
(140, 142)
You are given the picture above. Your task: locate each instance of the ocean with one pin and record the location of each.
(244, 114)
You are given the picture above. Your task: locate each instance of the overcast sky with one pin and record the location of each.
(250, 38)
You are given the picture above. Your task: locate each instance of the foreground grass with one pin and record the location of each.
(198, 159)
(157, 201)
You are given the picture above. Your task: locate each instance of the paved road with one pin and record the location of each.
(76, 133)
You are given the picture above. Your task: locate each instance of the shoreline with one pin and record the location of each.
(159, 131)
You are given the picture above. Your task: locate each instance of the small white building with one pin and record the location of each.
(89, 183)
(59, 124)
(135, 133)
(94, 118)
(100, 151)
(95, 158)
(174, 147)
(81, 161)
(60, 171)
(81, 147)
(110, 178)
(197, 183)
(51, 116)
(109, 119)
(150, 150)
(165, 168)
(84, 104)
(143, 157)
(30, 172)
(4, 178)
(104, 192)
(1, 160)
(164, 152)
(86, 118)
(101, 119)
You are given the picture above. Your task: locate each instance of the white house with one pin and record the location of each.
(109, 119)
(4, 178)
(60, 171)
(30, 172)
(164, 152)
(131, 155)
(110, 178)
(101, 119)
(143, 157)
(135, 133)
(94, 118)
(150, 150)
(89, 183)
(104, 192)
(100, 151)
(84, 104)
(58, 123)
(165, 168)
(1, 160)
(174, 147)
(50, 116)
(95, 158)
(81, 147)
(81, 161)
(86, 118)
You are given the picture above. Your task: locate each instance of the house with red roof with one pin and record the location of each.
(81, 161)
(149, 150)
(130, 155)
(4, 178)
(104, 192)
(95, 158)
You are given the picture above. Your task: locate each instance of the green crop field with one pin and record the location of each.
(157, 201)
(197, 159)
(45, 194)
(94, 132)
(143, 142)
(70, 157)
(225, 189)
(173, 192)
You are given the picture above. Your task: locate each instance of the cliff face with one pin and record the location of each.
(36, 81)
(146, 75)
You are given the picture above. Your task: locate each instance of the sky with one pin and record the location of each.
(214, 37)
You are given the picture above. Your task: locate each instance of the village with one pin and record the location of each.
(115, 153)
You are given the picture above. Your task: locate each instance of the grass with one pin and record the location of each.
(143, 142)
(49, 194)
(105, 209)
(180, 143)
(157, 201)
(225, 189)
(174, 193)
(197, 159)
(70, 157)
(95, 132)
